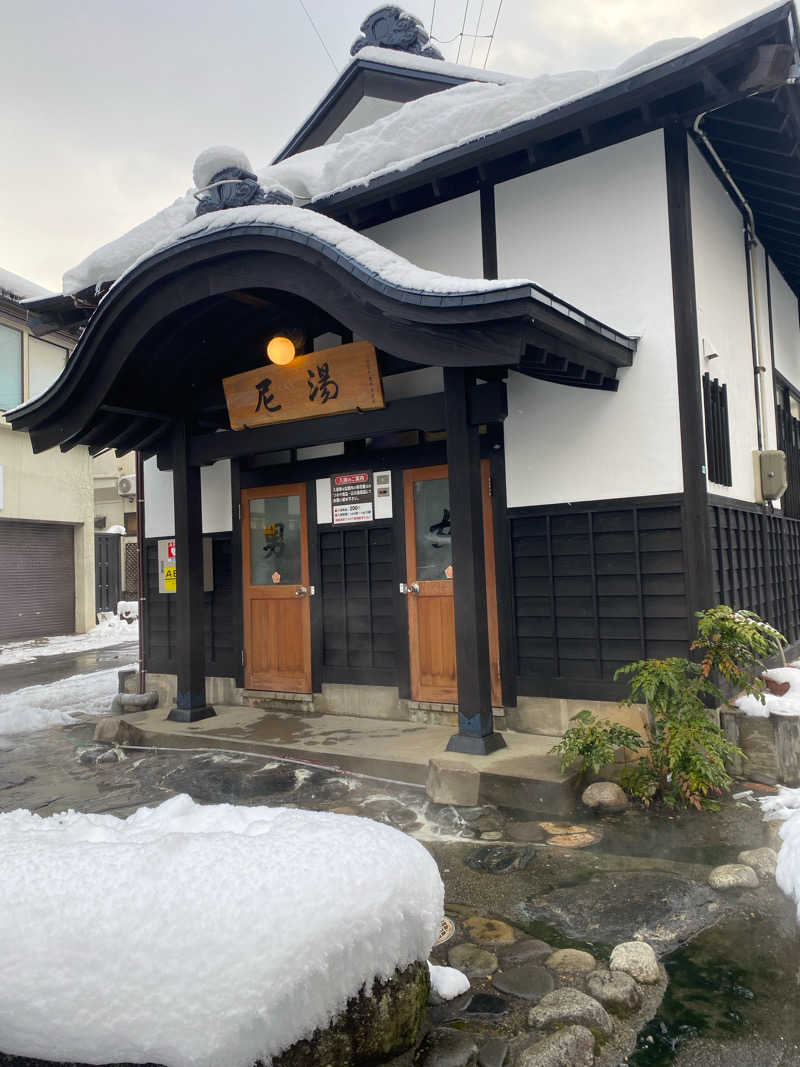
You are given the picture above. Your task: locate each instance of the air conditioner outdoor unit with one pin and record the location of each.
(126, 486)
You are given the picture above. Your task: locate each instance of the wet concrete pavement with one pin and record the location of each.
(734, 987)
(45, 669)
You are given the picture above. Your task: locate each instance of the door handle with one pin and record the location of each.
(301, 591)
(411, 587)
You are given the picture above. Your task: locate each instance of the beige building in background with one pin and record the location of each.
(47, 581)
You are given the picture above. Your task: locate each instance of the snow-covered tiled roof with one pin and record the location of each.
(391, 57)
(16, 288)
(416, 133)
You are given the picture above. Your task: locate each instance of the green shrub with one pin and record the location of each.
(593, 742)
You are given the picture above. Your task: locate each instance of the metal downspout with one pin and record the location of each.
(140, 562)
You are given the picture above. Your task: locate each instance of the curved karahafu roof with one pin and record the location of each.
(198, 309)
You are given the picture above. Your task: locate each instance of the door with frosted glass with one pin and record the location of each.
(277, 618)
(429, 561)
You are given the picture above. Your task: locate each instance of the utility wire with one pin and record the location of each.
(461, 35)
(433, 16)
(491, 36)
(319, 35)
(477, 28)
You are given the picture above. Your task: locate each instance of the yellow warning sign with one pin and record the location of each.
(170, 579)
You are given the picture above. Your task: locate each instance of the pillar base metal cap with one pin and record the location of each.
(191, 714)
(476, 746)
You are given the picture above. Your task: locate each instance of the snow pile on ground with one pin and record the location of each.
(39, 706)
(128, 609)
(789, 704)
(419, 130)
(193, 936)
(110, 630)
(17, 288)
(447, 982)
(786, 805)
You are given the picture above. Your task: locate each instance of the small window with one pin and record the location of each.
(45, 363)
(10, 368)
(718, 444)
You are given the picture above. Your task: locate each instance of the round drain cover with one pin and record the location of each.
(446, 931)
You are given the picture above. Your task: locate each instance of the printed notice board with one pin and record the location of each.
(351, 497)
(168, 566)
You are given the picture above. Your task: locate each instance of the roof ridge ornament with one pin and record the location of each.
(224, 179)
(392, 27)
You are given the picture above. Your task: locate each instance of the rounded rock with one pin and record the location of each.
(764, 861)
(528, 982)
(637, 959)
(571, 1047)
(475, 962)
(448, 1048)
(733, 876)
(571, 961)
(606, 798)
(529, 950)
(489, 931)
(616, 991)
(565, 1006)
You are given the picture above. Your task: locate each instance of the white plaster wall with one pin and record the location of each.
(594, 230)
(724, 318)
(215, 490)
(368, 110)
(785, 327)
(413, 383)
(445, 238)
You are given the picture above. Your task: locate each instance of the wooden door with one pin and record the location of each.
(431, 618)
(277, 616)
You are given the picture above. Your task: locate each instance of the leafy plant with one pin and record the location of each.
(593, 741)
(734, 644)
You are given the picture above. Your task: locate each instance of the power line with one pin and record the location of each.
(491, 36)
(477, 28)
(461, 35)
(433, 16)
(319, 35)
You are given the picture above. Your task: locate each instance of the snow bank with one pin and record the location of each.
(447, 982)
(417, 131)
(18, 288)
(786, 805)
(39, 706)
(789, 704)
(193, 936)
(111, 630)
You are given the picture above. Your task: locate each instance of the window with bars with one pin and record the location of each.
(718, 442)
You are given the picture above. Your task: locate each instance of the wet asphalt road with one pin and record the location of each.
(48, 669)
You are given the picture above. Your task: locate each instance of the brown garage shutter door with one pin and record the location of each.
(37, 580)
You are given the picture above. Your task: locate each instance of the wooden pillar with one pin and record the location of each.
(475, 721)
(190, 651)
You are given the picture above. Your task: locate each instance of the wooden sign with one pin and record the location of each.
(329, 382)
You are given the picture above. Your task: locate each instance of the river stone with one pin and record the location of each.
(733, 876)
(663, 909)
(571, 961)
(530, 981)
(446, 1047)
(615, 990)
(486, 1005)
(500, 859)
(491, 835)
(571, 1047)
(473, 961)
(489, 931)
(606, 798)
(637, 959)
(570, 1006)
(525, 831)
(763, 861)
(493, 1053)
(529, 950)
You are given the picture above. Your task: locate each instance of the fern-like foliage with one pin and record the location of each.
(593, 742)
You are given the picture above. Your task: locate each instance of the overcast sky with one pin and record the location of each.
(106, 103)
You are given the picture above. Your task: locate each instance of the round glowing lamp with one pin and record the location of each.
(281, 350)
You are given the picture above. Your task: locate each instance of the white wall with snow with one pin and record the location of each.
(368, 109)
(445, 238)
(723, 316)
(594, 231)
(159, 509)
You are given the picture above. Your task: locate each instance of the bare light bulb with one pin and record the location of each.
(281, 350)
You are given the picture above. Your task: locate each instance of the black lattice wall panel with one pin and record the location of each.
(358, 618)
(131, 589)
(757, 563)
(594, 588)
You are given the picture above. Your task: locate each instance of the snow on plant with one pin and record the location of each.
(734, 643)
(193, 936)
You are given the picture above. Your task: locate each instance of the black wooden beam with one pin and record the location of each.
(487, 403)
(696, 522)
(190, 652)
(473, 671)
